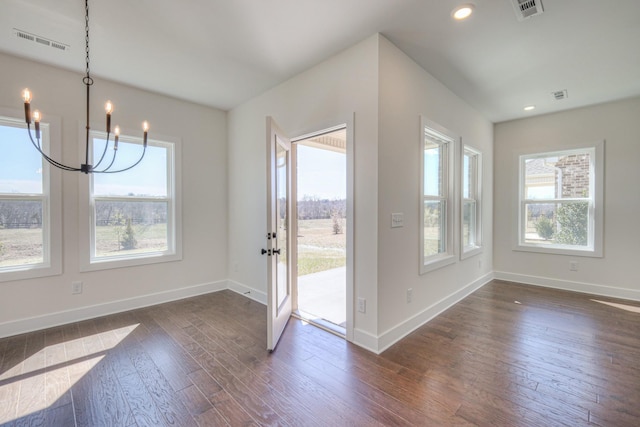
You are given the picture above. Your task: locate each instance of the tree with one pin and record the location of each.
(337, 221)
(128, 240)
(573, 224)
(544, 228)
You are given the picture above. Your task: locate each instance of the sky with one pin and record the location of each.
(432, 171)
(149, 178)
(20, 162)
(321, 173)
(21, 167)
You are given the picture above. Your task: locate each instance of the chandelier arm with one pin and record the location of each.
(47, 158)
(86, 168)
(113, 159)
(103, 152)
(125, 169)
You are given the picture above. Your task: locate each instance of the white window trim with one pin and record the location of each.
(595, 250)
(469, 251)
(451, 230)
(52, 191)
(87, 212)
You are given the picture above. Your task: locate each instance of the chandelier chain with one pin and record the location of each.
(88, 79)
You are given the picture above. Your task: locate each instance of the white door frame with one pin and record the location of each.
(348, 124)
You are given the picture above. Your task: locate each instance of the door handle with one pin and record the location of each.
(276, 251)
(264, 251)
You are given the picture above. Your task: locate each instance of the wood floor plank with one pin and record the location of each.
(59, 416)
(169, 405)
(98, 398)
(33, 376)
(212, 418)
(508, 354)
(143, 409)
(229, 409)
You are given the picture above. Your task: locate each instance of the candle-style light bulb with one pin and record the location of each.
(36, 118)
(109, 109)
(117, 137)
(26, 96)
(145, 128)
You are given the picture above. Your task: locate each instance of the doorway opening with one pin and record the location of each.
(321, 215)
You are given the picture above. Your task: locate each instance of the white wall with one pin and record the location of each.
(30, 304)
(615, 273)
(406, 92)
(326, 95)
(387, 92)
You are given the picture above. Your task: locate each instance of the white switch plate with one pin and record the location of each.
(397, 220)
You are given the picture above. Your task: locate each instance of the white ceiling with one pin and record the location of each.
(223, 52)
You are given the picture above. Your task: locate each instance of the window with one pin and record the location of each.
(133, 214)
(561, 201)
(471, 223)
(438, 148)
(29, 214)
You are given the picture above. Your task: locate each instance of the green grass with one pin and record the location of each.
(319, 249)
(150, 238)
(312, 263)
(24, 246)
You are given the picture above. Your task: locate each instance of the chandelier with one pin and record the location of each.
(86, 167)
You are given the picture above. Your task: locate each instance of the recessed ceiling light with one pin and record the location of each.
(462, 12)
(529, 107)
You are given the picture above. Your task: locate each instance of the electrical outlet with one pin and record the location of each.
(409, 295)
(76, 288)
(573, 265)
(362, 305)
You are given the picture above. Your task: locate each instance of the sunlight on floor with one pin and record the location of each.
(626, 307)
(43, 378)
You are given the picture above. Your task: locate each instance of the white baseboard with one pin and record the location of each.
(395, 334)
(365, 340)
(376, 344)
(247, 291)
(29, 324)
(587, 288)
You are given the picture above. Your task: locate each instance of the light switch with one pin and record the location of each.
(397, 220)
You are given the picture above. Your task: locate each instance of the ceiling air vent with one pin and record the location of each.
(24, 35)
(527, 8)
(560, 94)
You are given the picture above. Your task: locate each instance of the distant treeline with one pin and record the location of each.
(20, 214)
(28, 213)
(315, 208)
(118, 212)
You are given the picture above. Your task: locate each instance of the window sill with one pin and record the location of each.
(436, 263)
(470, 252)
(588, 252)
(29, 272)
(115, 262)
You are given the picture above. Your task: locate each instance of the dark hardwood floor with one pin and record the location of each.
(508, 355)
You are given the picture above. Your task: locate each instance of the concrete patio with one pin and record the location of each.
(323, 295)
